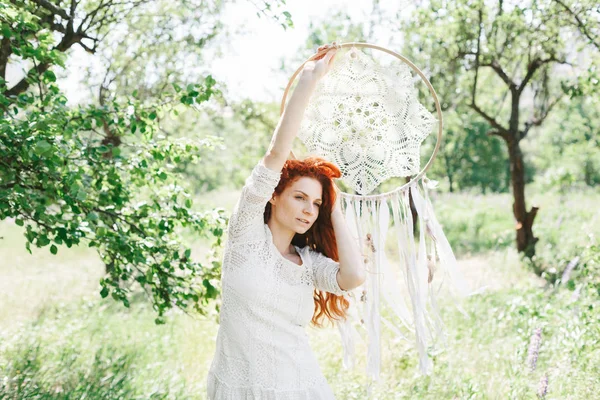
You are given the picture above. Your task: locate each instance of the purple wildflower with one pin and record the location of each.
(534, 348)
(543, 387)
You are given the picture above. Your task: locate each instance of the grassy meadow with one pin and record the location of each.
(60, 340)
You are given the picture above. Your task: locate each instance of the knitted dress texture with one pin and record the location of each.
(262, 350)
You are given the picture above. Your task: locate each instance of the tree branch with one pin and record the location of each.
(122, 219)
(477, 54)
(540, 120)
(23, 83)
(495, 124)
(501, 131)
(5, 52)
(533, 67)
(67, 42)
(495, 65)
(52, 8)
(582, 27)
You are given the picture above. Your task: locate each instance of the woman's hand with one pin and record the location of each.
(337, 206)
(321, 64)
(288, 125)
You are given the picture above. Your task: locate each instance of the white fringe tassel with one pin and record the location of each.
(368, 221)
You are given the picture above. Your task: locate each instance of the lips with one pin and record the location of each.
(303, 221)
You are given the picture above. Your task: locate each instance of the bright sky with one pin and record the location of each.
(250, 63)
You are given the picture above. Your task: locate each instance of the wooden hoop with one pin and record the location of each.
(431, 90)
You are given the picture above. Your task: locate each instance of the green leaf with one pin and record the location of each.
(49, 76)
(53, 249)
(42, 241)
(211, 292)
(42, 147)
(81, 194)
(149, 275)
(152, 115)
(188, 203)
(209, 81)
(104, 292)
(19, 222)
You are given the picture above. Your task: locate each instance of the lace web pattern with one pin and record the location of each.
(366, 118)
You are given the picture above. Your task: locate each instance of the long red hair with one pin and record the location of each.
(321, 236)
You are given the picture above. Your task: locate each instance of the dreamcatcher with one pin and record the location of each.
(365, 117)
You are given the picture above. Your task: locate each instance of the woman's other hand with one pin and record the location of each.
(337, 206)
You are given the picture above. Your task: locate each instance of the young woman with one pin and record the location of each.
(288, 259)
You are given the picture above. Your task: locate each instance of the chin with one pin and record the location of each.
(301, 231)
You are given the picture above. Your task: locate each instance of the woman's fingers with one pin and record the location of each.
(325, 47)
(321, 63)
(329, 56)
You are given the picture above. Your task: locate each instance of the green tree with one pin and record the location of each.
(501, 59)
(104, 174)
(567, 153)
(468, 159)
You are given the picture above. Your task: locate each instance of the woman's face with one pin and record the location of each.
(297, 207)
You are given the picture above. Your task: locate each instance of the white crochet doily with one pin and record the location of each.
(366, 118)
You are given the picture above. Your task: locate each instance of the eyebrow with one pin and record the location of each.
(307, 195)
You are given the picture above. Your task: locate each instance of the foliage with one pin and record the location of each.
(498, 60)
(157, 45)
(566, 153)
(468, 159)
(591, 266)
(103, 351)
(474, 223)
(244, 129)
(80, 352)
(338, 27)
(103, 176)
(70, 345)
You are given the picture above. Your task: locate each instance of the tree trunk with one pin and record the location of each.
(449, 172)
(413, 209)
(524, 220)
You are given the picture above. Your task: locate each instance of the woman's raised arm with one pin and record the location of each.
(289, 123)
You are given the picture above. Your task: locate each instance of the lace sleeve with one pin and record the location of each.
(325, 273)
(248, 213)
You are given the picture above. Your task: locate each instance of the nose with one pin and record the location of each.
(309, 210)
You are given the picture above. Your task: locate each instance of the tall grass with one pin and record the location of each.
(58, 340)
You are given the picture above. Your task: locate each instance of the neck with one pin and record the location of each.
(282, 237)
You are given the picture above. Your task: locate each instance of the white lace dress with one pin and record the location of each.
(262, 348)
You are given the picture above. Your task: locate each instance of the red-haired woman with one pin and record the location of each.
(288, 259)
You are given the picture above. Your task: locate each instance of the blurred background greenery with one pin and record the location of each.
(113, 205)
